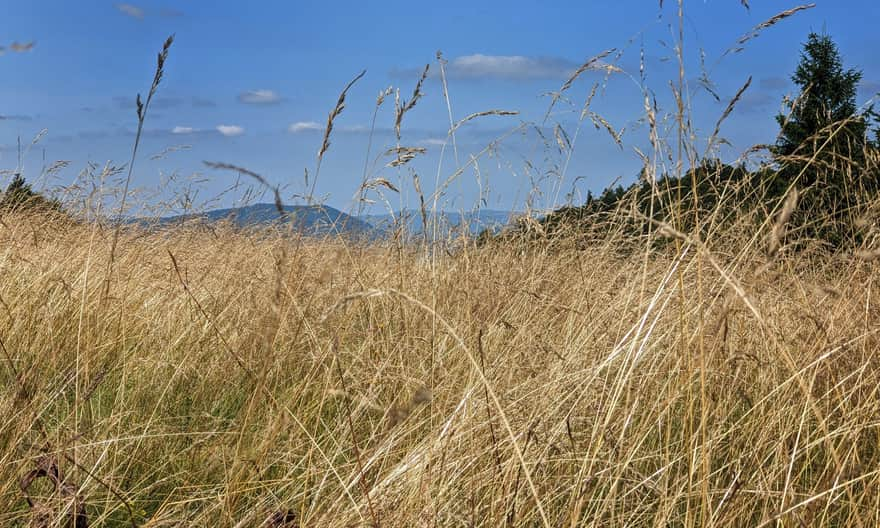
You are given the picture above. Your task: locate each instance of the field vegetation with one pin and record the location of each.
(700, 349)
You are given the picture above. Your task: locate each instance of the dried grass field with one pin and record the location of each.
(709, 363)
(222, 379)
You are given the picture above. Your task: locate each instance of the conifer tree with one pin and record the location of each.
(822, 140)
(19, 194)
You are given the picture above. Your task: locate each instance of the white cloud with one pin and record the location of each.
(432, 142)
(230, 130)
(304, 126)
(505, 67)
(259, 97)
(131, 10)
(182, 130)
(509, 67)
(312, 126)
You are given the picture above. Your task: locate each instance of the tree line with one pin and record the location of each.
(827, 150)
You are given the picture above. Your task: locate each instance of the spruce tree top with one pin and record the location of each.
(828, 96)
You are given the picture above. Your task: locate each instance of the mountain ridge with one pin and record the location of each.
(319, 220)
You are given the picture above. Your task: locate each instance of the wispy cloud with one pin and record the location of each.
(774, 83)
(159, 102)
(504, 67)
(131, 10)
(312, 126)
(509, 67)
(201, 102)
(355, 129)
(759, 102)
(15, 118)
(230, 130)
(259, 97)
(163, 102)
(91, 135)
(304, 126)
(125, 103)
(178, 131)
(870, 87)
(140, 13)
(432, 142)
(170, 13)
(164, 133)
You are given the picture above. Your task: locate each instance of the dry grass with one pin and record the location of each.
(210, 377)
(516, 385)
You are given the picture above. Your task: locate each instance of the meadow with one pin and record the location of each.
(212, 376)
(220, 379)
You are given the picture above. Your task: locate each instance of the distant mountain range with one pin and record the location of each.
(315, 220)
(322, 220)
(447, 222)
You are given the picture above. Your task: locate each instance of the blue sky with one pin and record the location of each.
(252, 83)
